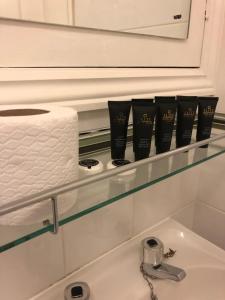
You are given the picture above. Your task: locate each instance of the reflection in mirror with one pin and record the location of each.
(165, 18)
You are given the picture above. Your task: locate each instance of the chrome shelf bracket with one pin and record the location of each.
(55, 215)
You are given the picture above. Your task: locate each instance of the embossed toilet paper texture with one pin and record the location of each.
(37, 152)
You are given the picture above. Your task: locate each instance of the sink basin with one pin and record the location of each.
(202, 283)
(116, 275)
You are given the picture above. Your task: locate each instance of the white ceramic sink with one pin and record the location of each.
(202, 283)
(116, 275)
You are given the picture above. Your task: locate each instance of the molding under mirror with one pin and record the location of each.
(90, 89)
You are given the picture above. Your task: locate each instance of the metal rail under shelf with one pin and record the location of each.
(54, 193)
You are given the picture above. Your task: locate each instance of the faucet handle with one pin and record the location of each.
(152, 251)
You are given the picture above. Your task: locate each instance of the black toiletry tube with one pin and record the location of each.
(141, 101)
(165, 116)
(206, 112)
(143, 120)
(186, 112)
(119, 112)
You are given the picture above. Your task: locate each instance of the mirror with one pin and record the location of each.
(165, 18)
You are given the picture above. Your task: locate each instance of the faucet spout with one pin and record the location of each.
(164, 271)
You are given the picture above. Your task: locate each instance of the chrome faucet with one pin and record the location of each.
(152, 261)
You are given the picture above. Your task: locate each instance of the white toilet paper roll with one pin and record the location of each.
(38, 151)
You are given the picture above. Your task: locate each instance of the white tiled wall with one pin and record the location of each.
(186, 215)
(210, 224)
(212, 187)
(164, 199)
(209, 217)
(97, 233)
(31, 267)
(206, 216)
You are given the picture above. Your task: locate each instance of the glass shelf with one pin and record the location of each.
(96, 195)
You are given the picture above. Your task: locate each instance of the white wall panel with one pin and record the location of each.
(32, 10)
(57, 11)
(93, 235)
(29, 268)
(211, 187)
(164, 199)
(210, 224)
(206, 216)
(10, 9)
